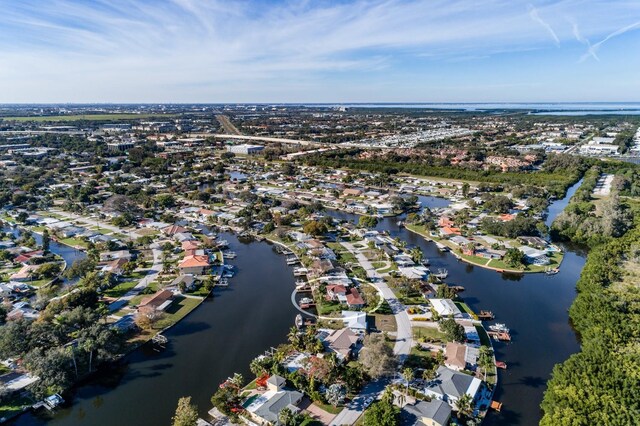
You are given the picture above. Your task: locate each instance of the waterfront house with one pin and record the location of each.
(265, 409)
(189, 282)
(460, 357)
(535, 256)
(448, 231)
(455, 356)
(426, 413)
(296, 361)
(446, 308)
(489, 253)
(194, 265)
(155, 303)
(449, 385)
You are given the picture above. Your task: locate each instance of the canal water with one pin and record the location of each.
(219, 338)
(69, 254)
(224, 334)
(533, 306)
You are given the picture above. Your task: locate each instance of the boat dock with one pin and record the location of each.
(502, 336)
(486, 315)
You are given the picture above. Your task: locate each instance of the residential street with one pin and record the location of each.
(89, 221)
(152, 274)
(402, 348)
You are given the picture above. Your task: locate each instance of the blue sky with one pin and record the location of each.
(319, 51)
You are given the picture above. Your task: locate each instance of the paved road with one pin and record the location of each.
(227, 125)
(404, 338)
(152, 274)
(356, 407)
(93, 222)
(402, 348)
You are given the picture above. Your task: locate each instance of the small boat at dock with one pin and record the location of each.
(441, 274)
(550, 271)
(425, 262)
(495, 405)
(292, 260)
(301, 283)
(442, 247)
(400, 224)
(499, 327)
(299, 272)
(223, 282)
(306, 303)
(230, 254)
(457, 288)
(299, 321)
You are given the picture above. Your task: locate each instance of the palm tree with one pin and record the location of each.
(293, 335)
(464, 405)
(408, 376)
(416, 254)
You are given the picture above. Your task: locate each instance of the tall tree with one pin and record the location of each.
(186, 413)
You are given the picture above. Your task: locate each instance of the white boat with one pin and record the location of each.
(442, 247)
(223, 282)
(306, 301)
(301, 283)
(230, 254)
(441, 274)
(550, 271)
(292, 260)
(299, 321)
(298, 272)
(499, 327)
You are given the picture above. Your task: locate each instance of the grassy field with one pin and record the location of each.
(465, 308)
(484, 337)
(91, 117)
(428, 333)
(14, 406)
(74, 242)
(180, 307)
(121, 289)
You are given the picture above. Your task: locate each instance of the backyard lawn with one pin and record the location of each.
(428, 333)
(180, 307)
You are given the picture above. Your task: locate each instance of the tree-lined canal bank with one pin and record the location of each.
(220, 337)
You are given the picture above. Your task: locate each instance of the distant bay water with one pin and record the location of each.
(561, 108)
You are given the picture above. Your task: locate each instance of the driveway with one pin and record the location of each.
(152, 274)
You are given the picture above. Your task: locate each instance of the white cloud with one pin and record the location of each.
(164, 50)
(533, 13)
